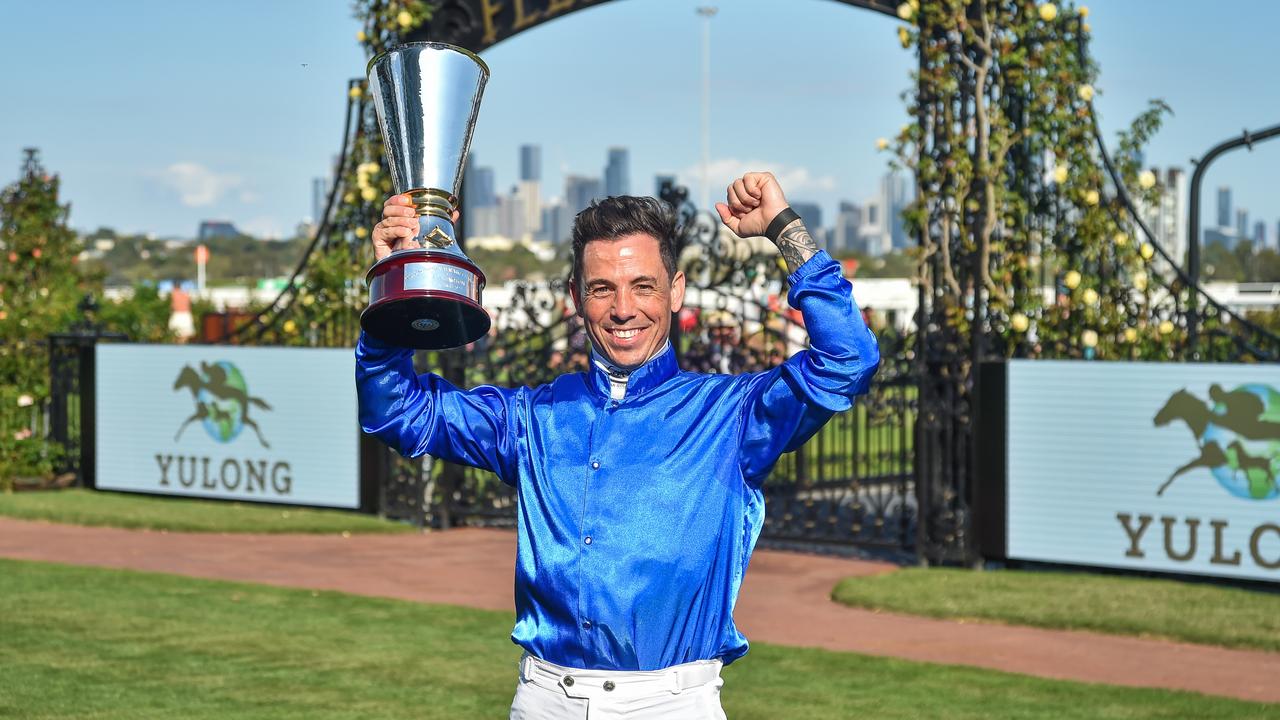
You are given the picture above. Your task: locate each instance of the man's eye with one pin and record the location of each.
(596, 292)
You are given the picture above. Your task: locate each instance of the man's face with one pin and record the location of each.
(626, 298)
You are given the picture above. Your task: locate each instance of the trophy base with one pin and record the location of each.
(431, 321)
(426, 300)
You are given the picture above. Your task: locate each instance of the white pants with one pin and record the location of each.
(681, 692)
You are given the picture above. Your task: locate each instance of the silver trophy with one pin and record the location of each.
(427, 96)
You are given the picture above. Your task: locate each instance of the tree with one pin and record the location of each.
(40, 286)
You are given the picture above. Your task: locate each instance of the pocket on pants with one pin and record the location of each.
(534, 702)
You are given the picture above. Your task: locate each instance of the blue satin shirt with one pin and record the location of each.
(636, 517)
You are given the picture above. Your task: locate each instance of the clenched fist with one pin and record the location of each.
(753, 201)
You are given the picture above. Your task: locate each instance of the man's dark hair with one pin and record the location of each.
(615, 217)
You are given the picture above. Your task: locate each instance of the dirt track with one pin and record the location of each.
(784, 600)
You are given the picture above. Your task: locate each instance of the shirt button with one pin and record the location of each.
(595, 466)
(587, 540)
(568, 681)
(586, 624)
(609, 686)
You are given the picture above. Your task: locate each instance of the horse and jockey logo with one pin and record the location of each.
(1237, 433)
(222, 401)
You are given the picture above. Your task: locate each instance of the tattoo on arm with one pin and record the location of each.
(796, 245)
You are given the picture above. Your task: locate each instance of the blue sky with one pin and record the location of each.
(160, 114)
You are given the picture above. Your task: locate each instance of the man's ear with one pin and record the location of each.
(677, 292)
(576, 294)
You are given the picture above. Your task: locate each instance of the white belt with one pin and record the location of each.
(604, 683)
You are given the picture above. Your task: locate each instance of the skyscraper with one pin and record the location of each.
(479, 202)
(530, 162)
(319, 198)
(1166, 218)
(1259, 235)
(1224, 206)
(1242, 224)
(579, 192)
(617, 173)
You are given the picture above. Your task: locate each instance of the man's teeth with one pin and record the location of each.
(624, 334)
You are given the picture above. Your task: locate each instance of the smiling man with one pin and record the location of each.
(639, 484)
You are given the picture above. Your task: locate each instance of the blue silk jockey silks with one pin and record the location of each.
(637, 516)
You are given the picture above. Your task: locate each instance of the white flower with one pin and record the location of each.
(1146, 180)
(1089, 338)
(25, 400)
(1140, 280)
(1048, 12)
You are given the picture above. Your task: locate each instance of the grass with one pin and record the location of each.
(94, 643)
(1146, 607)
(87, 507)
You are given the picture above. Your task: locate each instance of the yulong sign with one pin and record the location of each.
(1148, 466)
(254, 424)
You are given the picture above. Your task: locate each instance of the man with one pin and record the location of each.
(638, 484)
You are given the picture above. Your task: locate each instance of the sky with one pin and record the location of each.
(159, 114)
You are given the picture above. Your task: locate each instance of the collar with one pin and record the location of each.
(653, 373)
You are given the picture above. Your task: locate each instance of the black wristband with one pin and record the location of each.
(780, 222)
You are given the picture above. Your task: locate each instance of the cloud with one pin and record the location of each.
(197, 185)
(264, 228)
(721, 171)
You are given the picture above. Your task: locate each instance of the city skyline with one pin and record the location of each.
(242, 137)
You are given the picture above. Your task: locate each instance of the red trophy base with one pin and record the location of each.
(425, 300)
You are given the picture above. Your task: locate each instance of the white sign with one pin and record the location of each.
(1150, 466)
(254, 424)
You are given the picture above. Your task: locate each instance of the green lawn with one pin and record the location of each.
(1170, 609)
(87, 507)
(94, 643)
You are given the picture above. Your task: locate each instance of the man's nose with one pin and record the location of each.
(624, 306)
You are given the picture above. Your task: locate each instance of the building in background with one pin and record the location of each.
(1259, 235)
(617, 173)
(531, 162)
(811, 214)
(844, 232)
(319, 198)
(1224, 206)
(479, 202)
(211, 229)
(579, 192)
(1242, 223)
(557, 223)
(1167, 218)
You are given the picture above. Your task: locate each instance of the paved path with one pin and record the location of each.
(785, 599)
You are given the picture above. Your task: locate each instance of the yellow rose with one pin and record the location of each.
(1071, 279)
(1130, 335)
(355, 92)
(1146, 179)
(1140, 280)
(1060, 173)
(1019, 322)
(368, 194)
(1089, 338)
(1166, 327)
(404, 20)
(1091, 197)
(349, 199)
(1048, 12)
(360, 36)
(905, 11)
(1147, 251)
(362, 233)
(881, 143)
(1090, 296)
(290, 327)
(1085, 27)
(1122, 239)
(1085, 92)
(904, 37)
(1084, 11)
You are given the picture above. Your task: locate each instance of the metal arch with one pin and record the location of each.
(478, 25)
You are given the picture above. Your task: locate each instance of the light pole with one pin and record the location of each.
(706, 12)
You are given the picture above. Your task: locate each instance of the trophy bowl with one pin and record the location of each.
(427, 295)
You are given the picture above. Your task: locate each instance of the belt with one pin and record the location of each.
(575, 682)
